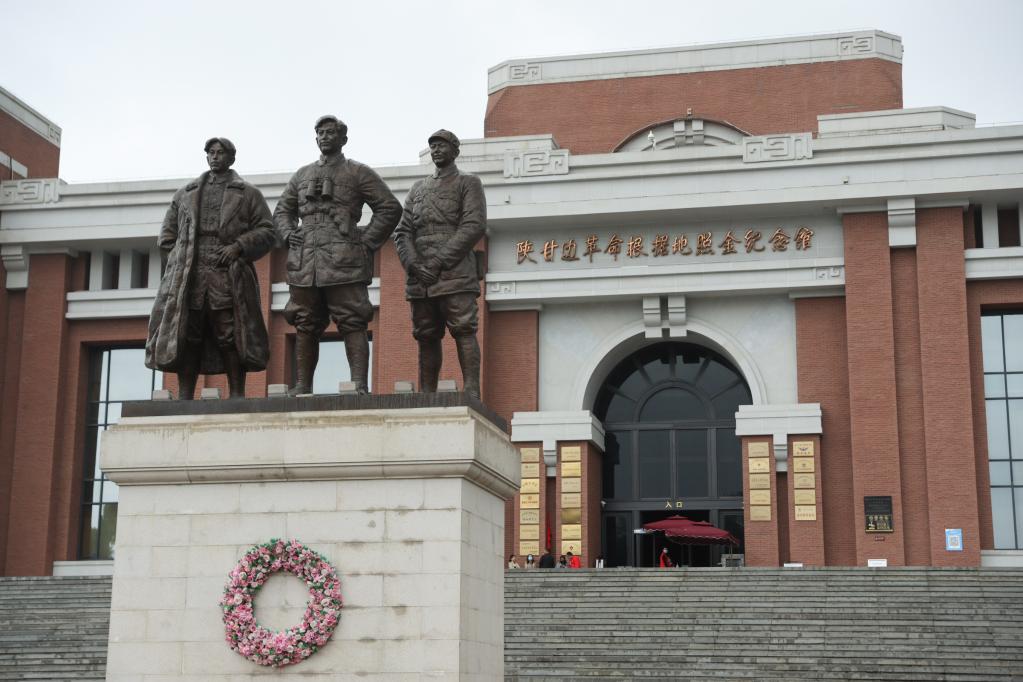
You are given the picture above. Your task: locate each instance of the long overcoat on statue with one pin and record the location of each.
(244, 219)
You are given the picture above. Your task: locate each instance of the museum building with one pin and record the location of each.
(737, 282)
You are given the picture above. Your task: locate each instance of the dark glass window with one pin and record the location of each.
(669, 413)
(1002, 341)
(115, 375)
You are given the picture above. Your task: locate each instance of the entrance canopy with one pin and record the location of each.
(687, 532)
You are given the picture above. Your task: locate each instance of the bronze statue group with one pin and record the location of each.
(207, 317)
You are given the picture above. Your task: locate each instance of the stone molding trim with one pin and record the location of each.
(550, 427)
(805, 49)
(29, 117)
(535, 163)
(279, 295)
(901, 223)
(779, 422)
(788, 147)
(998, 263)
(31, 191)
(304, 446)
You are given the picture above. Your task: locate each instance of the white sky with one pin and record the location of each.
(138, 86)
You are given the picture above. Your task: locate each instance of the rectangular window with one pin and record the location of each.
(115, 375)
(1002, 341)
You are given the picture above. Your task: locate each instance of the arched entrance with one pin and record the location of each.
(669, 416)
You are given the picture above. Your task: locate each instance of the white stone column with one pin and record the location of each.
(989, 218)
(407, 505)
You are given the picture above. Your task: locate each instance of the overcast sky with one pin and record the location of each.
(138, 86)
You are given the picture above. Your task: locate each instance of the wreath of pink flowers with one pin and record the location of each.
(264, 646)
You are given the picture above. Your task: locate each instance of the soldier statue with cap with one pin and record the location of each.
(330, 258)
(207, 317)
(445, 216)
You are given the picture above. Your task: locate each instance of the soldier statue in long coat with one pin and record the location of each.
(330, 258)
(207, 317)
(445, 216)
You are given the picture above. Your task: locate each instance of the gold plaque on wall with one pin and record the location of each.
(529, 532)
(571, 469)
(573, 546)
(571, 453)
(803, 481)
(571, 485)
(760, 465)
(760, 497)
(530, 454)
(573, 531)
(530, 485)
(803, 464)
(571, 500)
(759, 513)
(527, 547)
(802, 448)
(806, 512)
(759, 481)
(571, 515)
(529, 517)
(530, 501)
(804, 496)
(530, 470)
(758, 449)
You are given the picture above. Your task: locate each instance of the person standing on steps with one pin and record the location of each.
(207, 318)
(445, 216)
(330, 258)
(665, 559)
(547, 559)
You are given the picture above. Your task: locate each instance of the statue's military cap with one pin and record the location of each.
(445, 135)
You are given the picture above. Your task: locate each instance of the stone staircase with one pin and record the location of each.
(765, 624)
(692, 624)
(54, 628)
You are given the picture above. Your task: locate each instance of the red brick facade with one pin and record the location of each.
(779, 99)
(40, 156)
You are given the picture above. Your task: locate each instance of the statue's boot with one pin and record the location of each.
(469, 359)
(431, 356)
(235, 373)
(357, 350)
(188, 373)
(307, 352)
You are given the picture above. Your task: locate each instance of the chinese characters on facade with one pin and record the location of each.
(662, 246)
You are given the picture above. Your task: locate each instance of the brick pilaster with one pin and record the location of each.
(805, 510)
(762, 547)
(40, 407)
(872, 394)
(945, 364)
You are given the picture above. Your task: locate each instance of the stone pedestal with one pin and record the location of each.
(407, 504)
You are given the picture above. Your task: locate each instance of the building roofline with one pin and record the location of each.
(778, 51)
(14, 106)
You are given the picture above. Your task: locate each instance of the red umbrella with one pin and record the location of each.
(688, 532)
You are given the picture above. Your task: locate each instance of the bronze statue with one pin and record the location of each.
(445, 216)
(207, 318)
(330, 259)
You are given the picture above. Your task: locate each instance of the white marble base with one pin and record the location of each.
(408, 505)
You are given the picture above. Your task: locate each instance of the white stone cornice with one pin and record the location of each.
(779, 422)
(999, 263)
(109, 303)
(795, 275)
(697, 58)
(29, 117)
(551, 427)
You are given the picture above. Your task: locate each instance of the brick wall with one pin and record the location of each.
(944, 360)
(823, 376)
(26, 146)
(872, 396)
(909, 388)
(777, 99)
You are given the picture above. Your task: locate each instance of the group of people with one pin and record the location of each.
(207, 318)
(566, 560)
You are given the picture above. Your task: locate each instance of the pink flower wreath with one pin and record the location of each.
(278, 649)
